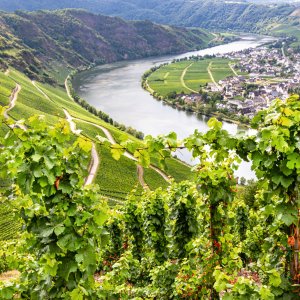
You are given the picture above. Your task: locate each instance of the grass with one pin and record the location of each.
(168, 78)
(220, 69)
(178, 170)
(197, 75)
(31, 101)
(3, 130)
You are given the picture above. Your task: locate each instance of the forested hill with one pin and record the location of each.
(46, 40)
(212, 14)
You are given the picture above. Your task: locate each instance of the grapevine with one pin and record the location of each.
(205, 238)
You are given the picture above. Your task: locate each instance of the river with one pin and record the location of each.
(116, 90)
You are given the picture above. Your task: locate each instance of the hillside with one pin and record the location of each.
(115, 178)
(45, 44)
(53, 102)
(212, 14)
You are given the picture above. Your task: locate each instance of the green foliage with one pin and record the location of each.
(240, 15)
(201, 239)
(64, 221)
(9, 222)
(82, 39)
(210, 241)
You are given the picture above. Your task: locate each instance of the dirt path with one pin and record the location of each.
(67, 89)
(151, 91)
(72, 123)
(9, 276)
(95, 161)
(6, 72)
(12, 100)
(140, 172)
(212, 77)
(93, 166)
(182, 79)
(127, 154)
(40, 90)
(283, 53)
(232, 69)
(112, 141)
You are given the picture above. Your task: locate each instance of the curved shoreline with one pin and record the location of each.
(116, 89)
(145, 85)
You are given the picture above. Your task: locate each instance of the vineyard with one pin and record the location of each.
(205, 238)
(9, 224)
(116, 179)
(188, 76)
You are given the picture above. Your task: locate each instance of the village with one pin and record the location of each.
(267, 74)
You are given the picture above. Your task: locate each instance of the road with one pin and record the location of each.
(233, 70)
(182, 79)
(212, 77)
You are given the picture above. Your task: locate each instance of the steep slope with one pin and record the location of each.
(44, 40)
(213, 14)
(34, 98)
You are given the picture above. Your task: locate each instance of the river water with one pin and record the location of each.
(116, 90)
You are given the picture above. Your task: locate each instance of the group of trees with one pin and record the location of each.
(199, 239)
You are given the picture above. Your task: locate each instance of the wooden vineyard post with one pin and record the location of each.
(293, 241)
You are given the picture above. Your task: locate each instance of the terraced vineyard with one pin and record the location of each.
(115, 178)
(188, 76)
(6, 87)
(9, 224)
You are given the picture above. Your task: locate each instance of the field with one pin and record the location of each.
(188, 76)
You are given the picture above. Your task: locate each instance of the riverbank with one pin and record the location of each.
(116, 90)
(183, 84)
(215, 114)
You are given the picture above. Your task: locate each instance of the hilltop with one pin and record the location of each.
(46, 44)
(211, 14)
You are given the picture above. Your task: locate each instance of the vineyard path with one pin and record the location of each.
(95, 161)
(233, 70)
(12, 100)
(212, 77)
(127, 154)
(182, 79)
(112, 141)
